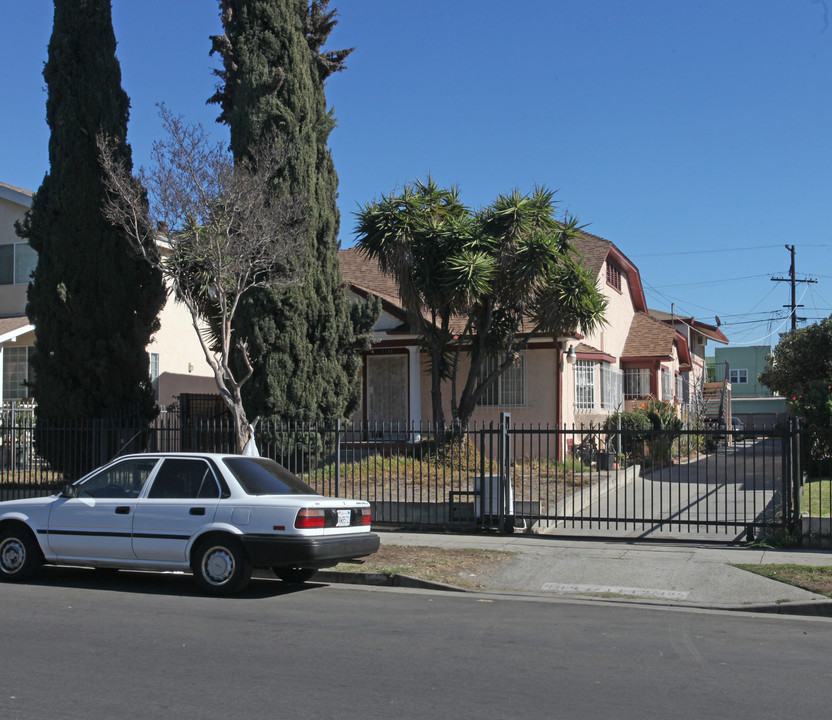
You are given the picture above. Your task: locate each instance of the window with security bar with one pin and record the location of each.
(682, 393)
(636, 383)
(612, 387)
(667, 385)
(584, 385)
(509, 389)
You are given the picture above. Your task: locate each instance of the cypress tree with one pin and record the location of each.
(302, 341)
(94, 301)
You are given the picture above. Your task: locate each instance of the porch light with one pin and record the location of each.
(570, 355)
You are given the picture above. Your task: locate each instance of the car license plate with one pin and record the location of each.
(343, 518)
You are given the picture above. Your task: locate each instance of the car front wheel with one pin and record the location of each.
(20, 555)
(220, 566)
(294, 574)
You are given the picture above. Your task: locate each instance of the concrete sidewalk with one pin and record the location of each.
(689, 574)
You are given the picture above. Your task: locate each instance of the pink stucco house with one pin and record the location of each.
(563, 381)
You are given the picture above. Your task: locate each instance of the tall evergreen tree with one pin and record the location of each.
(302, 341)
(94, 301)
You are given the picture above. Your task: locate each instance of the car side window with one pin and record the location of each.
(184, 478)
(122, 480)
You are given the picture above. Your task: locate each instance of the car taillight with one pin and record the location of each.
(310, 518)
(366, 515)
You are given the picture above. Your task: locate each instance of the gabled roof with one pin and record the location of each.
(363, 275)
(595, 251)
(651, 339)
(712, 332)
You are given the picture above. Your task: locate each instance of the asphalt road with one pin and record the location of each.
(77, 644)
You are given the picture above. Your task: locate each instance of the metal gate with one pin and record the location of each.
(719, 485)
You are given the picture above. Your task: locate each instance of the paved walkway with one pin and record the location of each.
(679, 573)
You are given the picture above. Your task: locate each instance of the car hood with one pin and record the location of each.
(11, 505)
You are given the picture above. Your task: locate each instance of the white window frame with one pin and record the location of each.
(21, 273)
(738, 376)
(584, 385)
(153, 370)
(640, 377)
(667, 385)
(14, 385)
(509, 388)
(612, 387)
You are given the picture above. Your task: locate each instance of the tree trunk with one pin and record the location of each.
(436, 392)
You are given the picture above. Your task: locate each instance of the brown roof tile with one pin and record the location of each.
(648, 338)
(709, 331)
(363, 272)
(593, 251)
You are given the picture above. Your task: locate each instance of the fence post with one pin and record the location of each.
(481, 498)
(506, 522)
(338, 457)
(12, 438)
(796, 429)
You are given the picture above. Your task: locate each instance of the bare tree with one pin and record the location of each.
(215, 232)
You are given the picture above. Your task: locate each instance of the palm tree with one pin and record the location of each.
(483, 283)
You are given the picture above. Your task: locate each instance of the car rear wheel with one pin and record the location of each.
(20, 554)
(294, 574)
(220, 566)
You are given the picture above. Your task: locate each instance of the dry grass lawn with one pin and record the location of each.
(462, 568)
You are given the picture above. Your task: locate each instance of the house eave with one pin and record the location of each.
(14, 334)
(17, 195)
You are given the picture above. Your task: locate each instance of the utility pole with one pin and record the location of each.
(793, 280)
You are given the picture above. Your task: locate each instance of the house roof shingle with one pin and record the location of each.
(651, 338)
(712, 332)
(364, 273)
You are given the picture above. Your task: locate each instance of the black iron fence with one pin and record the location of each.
(814, 502)
(584, 480)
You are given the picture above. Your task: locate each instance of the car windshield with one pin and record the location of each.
(263, 476)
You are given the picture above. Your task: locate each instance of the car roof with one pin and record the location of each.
(208, 455)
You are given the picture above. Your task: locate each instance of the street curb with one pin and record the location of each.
(382, 580)
(810, 608)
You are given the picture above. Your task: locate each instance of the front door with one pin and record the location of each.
(387, 391)
(98, 523)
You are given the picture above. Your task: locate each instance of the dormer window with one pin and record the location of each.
(613, 276)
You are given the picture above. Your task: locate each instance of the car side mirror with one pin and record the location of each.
(69, 491)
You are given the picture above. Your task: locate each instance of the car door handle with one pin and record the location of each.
(123, 510)
(197, 511)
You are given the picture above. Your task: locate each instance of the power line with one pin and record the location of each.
(720, 250)
(709, 252)
(715, 282)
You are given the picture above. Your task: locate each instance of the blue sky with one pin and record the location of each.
(694, 134)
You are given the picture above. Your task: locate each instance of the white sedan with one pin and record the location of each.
(218, 516)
